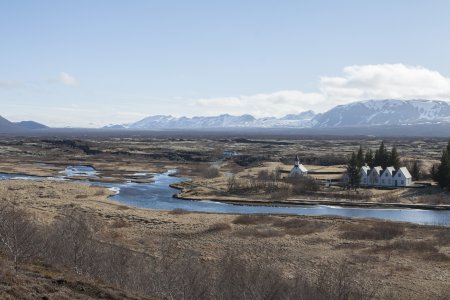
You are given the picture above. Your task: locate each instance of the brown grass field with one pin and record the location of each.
(386, 260)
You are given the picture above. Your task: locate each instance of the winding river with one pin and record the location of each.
(159, 195)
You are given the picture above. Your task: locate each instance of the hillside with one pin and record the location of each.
(8, 127)
(31, 125)
(40, 281)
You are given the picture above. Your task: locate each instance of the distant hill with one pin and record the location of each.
(31, 125)
(9, 127)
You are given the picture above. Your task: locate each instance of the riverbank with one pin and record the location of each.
(302, 202)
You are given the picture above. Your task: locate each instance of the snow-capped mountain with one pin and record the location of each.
(362, 113)
(223, 121)
(385, 112)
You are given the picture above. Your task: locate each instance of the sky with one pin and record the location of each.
(90, 63)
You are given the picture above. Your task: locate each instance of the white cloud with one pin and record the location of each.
(359, 82)
(261, 105)
(386, 81)
(68, 79)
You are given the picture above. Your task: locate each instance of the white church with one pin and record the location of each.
(388, 177)
(298, 170)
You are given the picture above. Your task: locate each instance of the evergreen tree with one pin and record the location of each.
(381, 156)
(360, 158)
(353, 171)
(393, 159)
(415, 171)
(369, 158)
(443, 171)
(434, 173)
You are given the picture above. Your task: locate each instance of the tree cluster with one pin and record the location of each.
(381, 157)
(441, 172)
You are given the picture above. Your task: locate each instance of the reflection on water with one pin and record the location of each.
(159, 195)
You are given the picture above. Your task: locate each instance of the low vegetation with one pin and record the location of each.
(378, 231)
(71, 244)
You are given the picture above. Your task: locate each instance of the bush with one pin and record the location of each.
(302, 185)
(207, 171)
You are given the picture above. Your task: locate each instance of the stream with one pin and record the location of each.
(159, 195)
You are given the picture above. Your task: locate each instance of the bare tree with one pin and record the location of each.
(72, 240)
(19, 238)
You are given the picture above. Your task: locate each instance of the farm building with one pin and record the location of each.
(364, 174)
(298, 169)
(388, 177)
(374, 176)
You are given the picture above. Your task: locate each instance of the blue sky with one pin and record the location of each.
(90, 63)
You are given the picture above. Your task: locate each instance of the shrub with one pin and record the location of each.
(303, 185)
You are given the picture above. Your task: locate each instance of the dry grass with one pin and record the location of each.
(260, 232)
(217, 227)
(253, 219)
(120, 223)
(377, 231)
(299, 226)
(178, 211)
(122, 207)
(442, 237)
(425, 249)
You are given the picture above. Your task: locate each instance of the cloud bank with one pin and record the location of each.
(359, 82)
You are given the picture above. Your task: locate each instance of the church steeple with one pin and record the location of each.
(298, 169)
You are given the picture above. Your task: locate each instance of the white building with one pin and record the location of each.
(364, 175)
(388, 177)
(374, 176)
(298, 169)
(402, 177)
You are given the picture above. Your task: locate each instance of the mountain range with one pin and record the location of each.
(349, 118)
(357, 114)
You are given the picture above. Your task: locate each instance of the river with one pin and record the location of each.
(159, 195)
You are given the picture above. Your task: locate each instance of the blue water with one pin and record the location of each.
(76, 171)
(159, 195)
